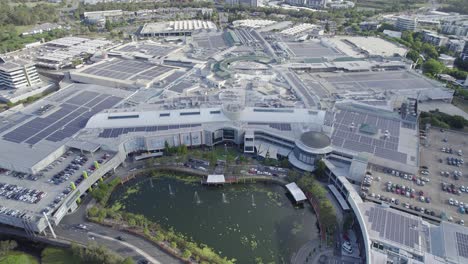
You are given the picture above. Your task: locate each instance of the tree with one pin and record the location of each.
(429, 50)
(432, 67)
(167, 148)
(6, 246)
(173, 245)
(109, 25)
(212, 158)
(320, 169)
(386, 26)
(186, 254)
(407, 36)
(413, 55)
(182, 149)
(462, 64)
(128, 260)
(457, 122)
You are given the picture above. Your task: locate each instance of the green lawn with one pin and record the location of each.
(52, 255)
(17, 257)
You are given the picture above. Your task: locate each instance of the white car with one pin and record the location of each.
(347, 247)
(83, 227)
(450, 201)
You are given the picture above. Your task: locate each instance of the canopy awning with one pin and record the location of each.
(215, 179)
(296, 192)
(265, 148)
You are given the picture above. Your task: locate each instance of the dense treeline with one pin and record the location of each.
(458, 6)
(20, 15)
(11, 40)
(327, 214)
(154, 232)
(97, 254)
(103, 191)
(235, 11)
(25, 15)
(392, 5)
(431, 66)
(439, 119)
(134, 6)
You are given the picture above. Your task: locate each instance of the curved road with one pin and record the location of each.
(139, 251)
(134, 246)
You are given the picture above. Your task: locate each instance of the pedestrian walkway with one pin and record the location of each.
(309, 252)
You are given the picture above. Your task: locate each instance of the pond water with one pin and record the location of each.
(241, 221)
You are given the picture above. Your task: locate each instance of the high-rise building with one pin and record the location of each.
(17, 74)
(434, 39)
(318, 4)
(404, 23)
(253, 3)
(464, 53)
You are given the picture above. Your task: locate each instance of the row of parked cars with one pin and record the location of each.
(12, 191)
(70, 170)
(20, 175)
(454, 161)
(56, 202)
(14, 213)
(451, 151)
(407, 191)
(462, 208)
(452, 188)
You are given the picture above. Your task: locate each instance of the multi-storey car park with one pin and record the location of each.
(302, 101)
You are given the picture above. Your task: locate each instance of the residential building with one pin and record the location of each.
(434, 39)
(447, 60)
(253, 3)
(369, 25)
(404, 23)
(392, 33)
(318, 4)
(455, 45)
(100, 17)
(46, 27)
(464, 53)
(17, 74)
(458, 29)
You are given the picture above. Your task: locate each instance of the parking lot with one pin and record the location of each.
(436, 161)
(44, 192)
(438, 180)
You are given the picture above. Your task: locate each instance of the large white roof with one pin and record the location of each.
(207, 115)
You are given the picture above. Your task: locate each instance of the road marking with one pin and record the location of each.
(139, 251)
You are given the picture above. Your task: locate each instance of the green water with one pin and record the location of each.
(247, 222)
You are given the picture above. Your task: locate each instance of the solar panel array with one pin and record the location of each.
(126, 69)
(149, 49)
(302, 88)
(377, 81)
(116, 132)
(345, 137)
(279, 126)
(71, 116)
(210, 41)
(16, 118)
(311, 50)
(152, 73)
(462, 244)
(329, 117)
(394, 227)
(61, 95)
